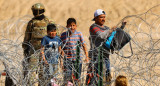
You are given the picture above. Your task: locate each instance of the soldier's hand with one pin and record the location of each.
(26, 52)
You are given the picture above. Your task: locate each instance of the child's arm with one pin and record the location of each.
(84, 47)
(61, 57)
(43, 56)
(86, 52)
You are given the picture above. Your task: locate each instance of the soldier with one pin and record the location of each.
(35, 31)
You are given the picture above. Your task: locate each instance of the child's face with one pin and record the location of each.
(52, 33)
(73, 26)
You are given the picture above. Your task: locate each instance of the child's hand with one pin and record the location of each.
(41, 54)
(43, 57)
(45, 61)
(87, 60)
(62, 65)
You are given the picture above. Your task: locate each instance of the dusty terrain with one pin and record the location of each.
(82, 10)
(11, 11)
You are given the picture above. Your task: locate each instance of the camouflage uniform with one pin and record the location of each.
(36, 30)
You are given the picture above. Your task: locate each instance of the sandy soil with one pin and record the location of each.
(83, 10)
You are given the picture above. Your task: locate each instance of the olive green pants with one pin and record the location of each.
(33, 70)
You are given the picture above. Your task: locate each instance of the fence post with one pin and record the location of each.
(100, 66)
(77, 67)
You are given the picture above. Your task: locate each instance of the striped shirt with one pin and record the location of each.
(70, 43)
(97, 36)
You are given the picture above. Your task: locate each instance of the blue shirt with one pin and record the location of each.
(51, 48)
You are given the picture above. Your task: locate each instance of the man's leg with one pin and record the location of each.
(89, 76)
(108, 71)
(92, 77)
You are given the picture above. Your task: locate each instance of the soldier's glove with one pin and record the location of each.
(26, 51)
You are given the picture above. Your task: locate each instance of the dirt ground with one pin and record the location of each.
(59, 11)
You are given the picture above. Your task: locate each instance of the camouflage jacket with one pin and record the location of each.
(35, 31)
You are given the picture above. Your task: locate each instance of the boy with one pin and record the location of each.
(69, 40)
(121, 81)
(51, 47)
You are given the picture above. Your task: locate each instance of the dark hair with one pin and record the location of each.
(51, 27)
(121, 81)
(70, 20)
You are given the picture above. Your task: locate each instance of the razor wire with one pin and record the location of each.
(141, 69)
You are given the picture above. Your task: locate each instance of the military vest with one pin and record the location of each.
(39, 29)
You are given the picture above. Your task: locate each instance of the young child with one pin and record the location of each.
(51, 49)
(69, 40)
(121, 81)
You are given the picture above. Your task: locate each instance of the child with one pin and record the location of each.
(51, 47)
(69, 40)
(121, 81)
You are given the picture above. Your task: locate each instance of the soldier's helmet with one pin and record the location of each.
(38, 9)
